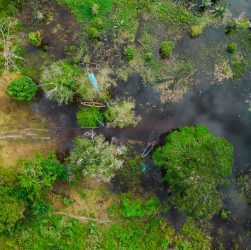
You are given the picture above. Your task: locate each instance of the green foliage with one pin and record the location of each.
(197, 238)
(149, 57)
(89, 117)
(129, 53)
(39, 175)
(51, 232)
(239, 66)
(224, 214)
(35, 38)
(132, 207)
(166, 49)
(196, 163)
(154, 234)
(196, 30)
(96, 158)
(22, 89)
(93, 33)
(60, 81)
(11, 208)
(122, 114)
(232, 47)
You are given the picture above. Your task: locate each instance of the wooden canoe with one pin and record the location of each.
(93, 104)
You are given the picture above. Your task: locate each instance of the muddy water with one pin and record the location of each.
(222, 108)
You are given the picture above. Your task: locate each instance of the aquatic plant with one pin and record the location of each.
(89, 117)
(122, 114)
(196, 164)
(93, 33)
(60, 81)
(166, 49)
(196, 30)
(232, 47)
(35, 38)
(96, 158)
(11, 208)
(149, 57)
(22, 89)
(129, 53)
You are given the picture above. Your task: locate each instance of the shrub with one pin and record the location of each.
(196, 164)
(196, 31)
(129, 53)
(60, 80)
(22, 89)
(166, 49)
(35, 38)
(95, 9)
(96, 158)
(39, 175)
(122, 114)
(132, 207)
(149, 57)
(89, 117)
(11, 208)
(232, 47)
(93, 33)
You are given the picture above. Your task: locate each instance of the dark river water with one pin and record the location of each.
(222, 108)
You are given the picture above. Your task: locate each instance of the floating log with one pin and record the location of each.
(93, 104)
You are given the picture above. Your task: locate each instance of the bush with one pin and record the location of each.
(196, 164)
(39, 175)
(11, 209)
(89, 117)
(149, 57)
(22, 89)
(96, 158)
(122, 114)
(35, 38)
(60, 80)
(93, 33)
(232, 47)
(129, 53)
(196, 31)
(166, 49)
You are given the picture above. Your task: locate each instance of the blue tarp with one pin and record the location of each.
(143, 168)
(93, 81)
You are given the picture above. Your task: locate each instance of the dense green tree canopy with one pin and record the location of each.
(39, 175)
(11, 208)
(60, 80)
(196, 163)
(22, 89)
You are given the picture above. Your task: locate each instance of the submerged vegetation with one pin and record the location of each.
(65, 181)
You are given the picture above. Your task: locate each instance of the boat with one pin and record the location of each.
(148, 149)
(93, 104)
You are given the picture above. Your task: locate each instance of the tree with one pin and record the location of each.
(96, 158)
(39, 175)
(196, 164)
(122, 114)
(22, 89)
(11, 209)
(60, 80)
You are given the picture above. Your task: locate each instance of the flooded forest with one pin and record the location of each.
(125, 124)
